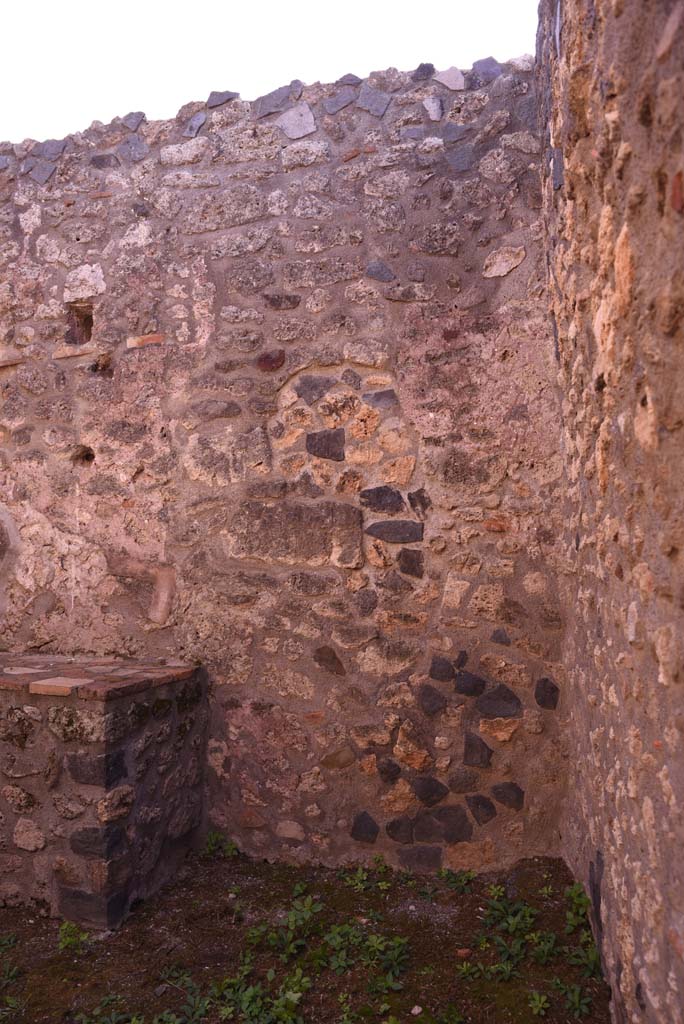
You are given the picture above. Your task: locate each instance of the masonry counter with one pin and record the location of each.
(101, 774)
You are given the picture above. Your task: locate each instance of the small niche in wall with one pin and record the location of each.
(79, 323)
(82, 455)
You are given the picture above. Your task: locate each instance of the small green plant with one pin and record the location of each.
(545, 947)
(71, 938)
(538, 1004)
(10, 1009)
(357, 880)
(8, 975)
(460, 881)
(467, 971)
(394, 957)
(380, 866)
(510, 952)
(504, 971)
(219, 847)
(577, 1002)
(107, 1013)
(496, 892)
(546, 891)
(302, 911)
(347, 1015)
(8, 941)
(576, 916)
(587, 957)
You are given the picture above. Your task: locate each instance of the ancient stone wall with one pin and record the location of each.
(277, 389)
(612, 81)
(102, 764)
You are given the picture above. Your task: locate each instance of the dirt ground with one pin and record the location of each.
(245, 941)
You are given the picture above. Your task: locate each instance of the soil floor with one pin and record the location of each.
(258, 943)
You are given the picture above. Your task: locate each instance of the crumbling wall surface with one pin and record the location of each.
(277, 395)
(612, 78)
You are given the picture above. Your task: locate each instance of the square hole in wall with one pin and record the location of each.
(79, 323)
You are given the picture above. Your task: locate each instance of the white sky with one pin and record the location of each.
(66, 63)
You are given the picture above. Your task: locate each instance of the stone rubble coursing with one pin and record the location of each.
(284, 450)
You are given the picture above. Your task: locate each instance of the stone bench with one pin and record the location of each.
(101, 773)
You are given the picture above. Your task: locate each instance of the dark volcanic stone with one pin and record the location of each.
(381, 399)
(411, 562)
(441, 669)
(455, 132)
(278, 100)
(400, 830)
(558, 169)
(396, 531)
(133, 120)
(388, 770)
(426, 828)
(327, 444)
(340, 100)
(546, 694)
(476, 753)
(423, 859)
(92, 909)
(327, 658)
(217, 99)
(428, 790)
(104, 160)
(487, 69)
(420, 502)
(463, 780)
(430, 699)
(103, 770)
(413, 133)
(311, 388)
(352, 379)
(4, 163)
(469, 684)
(500, 702)
(500, 636)
(41, 171)
(395, 583)
(349, 80)
(133, 148)
(51, 149)
(454, 824)
(366, 601)
(461, 159)
(382, 499)
(509, 794)
(365, 829)
(379, 271)
(373, 100)
(271, 361)
(280, 300)
(194, 124)
(100, 843)
(481, 808)
(423, 72)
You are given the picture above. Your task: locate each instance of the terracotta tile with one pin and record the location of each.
(104, 690)
(57, 686)
(13, 683)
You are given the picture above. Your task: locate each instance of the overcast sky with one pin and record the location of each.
(66, 63)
